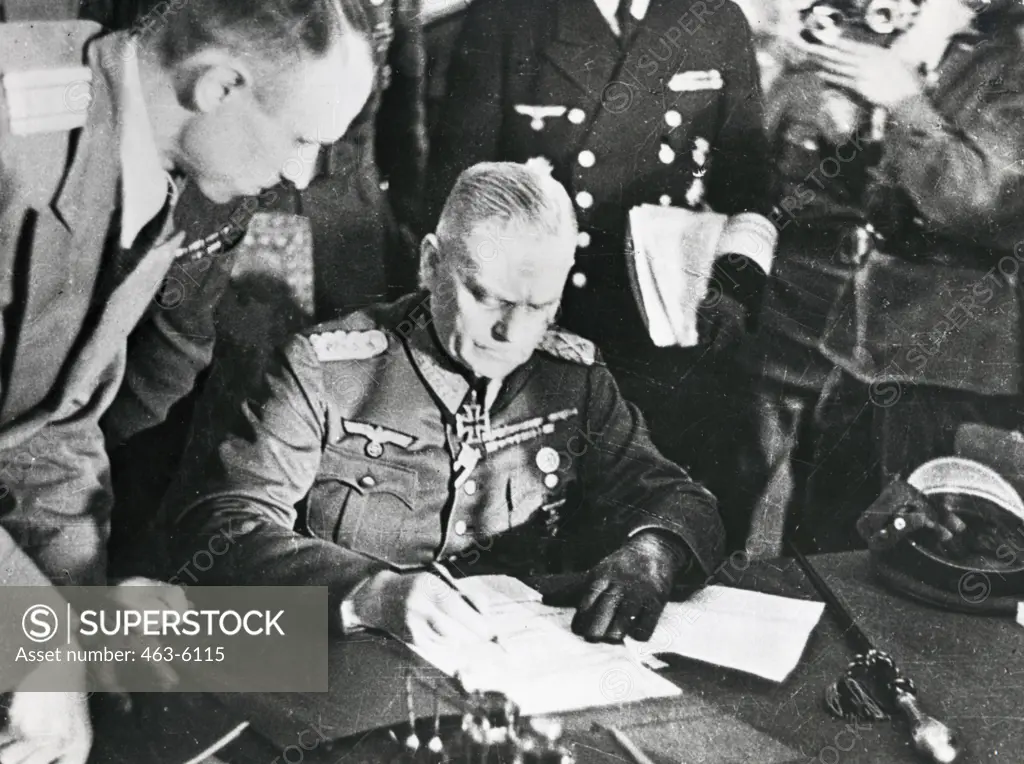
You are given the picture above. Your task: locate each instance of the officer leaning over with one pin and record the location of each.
(97, 134)
(457, 425)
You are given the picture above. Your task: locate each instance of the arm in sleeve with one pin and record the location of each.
(243, 511)
(169, 349)
(740, 173)
(18, 569)
(402, 118)
(470, 121)
(964, 175)
(631, 487)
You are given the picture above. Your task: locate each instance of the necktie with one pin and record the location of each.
(627, 22)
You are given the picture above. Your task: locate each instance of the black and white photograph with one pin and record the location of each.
(511, 381)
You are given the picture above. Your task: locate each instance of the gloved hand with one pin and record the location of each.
(721, 321)
(900, 511)
(624, 594)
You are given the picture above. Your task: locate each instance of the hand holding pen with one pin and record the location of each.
(418, 608)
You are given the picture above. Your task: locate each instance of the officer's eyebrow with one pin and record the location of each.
(480, 293)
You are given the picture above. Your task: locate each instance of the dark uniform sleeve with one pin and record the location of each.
(965, 176)
(631, 487)
(243, 510)
(740, 174)
(402, 120)
(470, 122)
(169, 348)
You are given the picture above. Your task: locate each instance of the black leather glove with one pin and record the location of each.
(721, 321)
(900, 511)
(624, 594)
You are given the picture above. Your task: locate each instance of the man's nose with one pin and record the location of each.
(514, 327)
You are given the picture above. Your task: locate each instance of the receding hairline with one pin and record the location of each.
(189, 32)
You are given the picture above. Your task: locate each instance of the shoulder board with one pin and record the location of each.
(569, 347)
(348, 346)
(45, 86)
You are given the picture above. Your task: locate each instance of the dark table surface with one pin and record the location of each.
(968, 669)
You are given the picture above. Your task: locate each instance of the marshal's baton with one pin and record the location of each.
(931, 738)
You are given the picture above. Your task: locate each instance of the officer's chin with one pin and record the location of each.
(485, 364)
(219, 193)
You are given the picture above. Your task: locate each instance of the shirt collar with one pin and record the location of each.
(608, 8)
(145, 184)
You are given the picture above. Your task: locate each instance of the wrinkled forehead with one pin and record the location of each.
(517, 264)
(514, 247)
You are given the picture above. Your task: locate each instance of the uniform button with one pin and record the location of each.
(579, 279)
(673, 118)
(470, 487)
(587, 158)
(460, 528)
(367, 481)
(577, 116)
(666, 154)
(583, 240)
(664, 200)
(584, 199)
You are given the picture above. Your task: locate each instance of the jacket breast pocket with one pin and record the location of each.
(364, 504)
(692, 112)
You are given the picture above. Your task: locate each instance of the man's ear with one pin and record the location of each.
(210, 81)
(430, 260)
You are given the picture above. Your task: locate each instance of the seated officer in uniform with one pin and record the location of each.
(459, 426)
(634, 102)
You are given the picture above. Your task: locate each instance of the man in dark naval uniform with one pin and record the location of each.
(895, 297)
(623, 98)
(454, 426)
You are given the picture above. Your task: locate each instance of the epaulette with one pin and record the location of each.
(340, 345)
(569, 347)
(45, 86)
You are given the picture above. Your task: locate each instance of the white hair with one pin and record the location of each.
(508, 193)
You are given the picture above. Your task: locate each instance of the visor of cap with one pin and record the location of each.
(957, 475)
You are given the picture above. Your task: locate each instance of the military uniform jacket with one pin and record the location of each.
(69, 301)
(620, 124)
(944, 188)
(344, 462)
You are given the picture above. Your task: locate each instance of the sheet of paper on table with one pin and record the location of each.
(760, 634)
(544, 667)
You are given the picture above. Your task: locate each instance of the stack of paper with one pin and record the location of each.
(671, 252)
(541, 664)
(759, 634)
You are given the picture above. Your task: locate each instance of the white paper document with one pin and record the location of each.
(670, 255)
(541, 664)
(760, 634)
